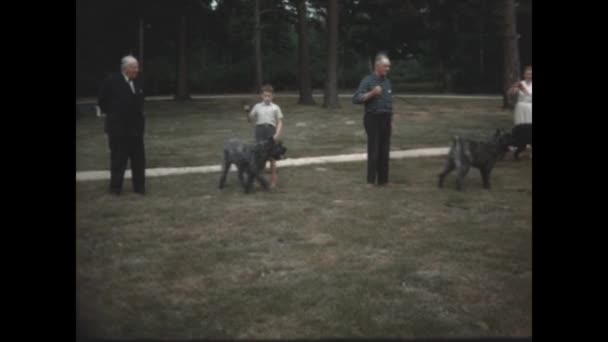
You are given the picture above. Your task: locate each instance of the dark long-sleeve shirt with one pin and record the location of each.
(382, 103)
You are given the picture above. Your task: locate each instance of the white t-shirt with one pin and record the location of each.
(527, 87)
(522, 96)
(266, 114)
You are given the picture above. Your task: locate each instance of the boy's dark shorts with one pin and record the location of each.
(263, 132)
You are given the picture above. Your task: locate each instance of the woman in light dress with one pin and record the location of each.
(523, 108)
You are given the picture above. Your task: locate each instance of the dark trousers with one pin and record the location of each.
(123, 149)
(263, 132)
(378, 129)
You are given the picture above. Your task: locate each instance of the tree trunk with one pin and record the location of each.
(303, 56)
(371, 52)
(257, 41)
(141, 45)
(445, 79)
(443, 44)
(511, 49)
(481, 44)
(182, 93)
(77, 40)
(331, 91)
(481, 60)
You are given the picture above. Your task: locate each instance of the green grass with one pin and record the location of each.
(321, 256)
(193, 133)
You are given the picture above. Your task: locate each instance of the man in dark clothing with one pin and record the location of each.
(121, 98)
(375, 93)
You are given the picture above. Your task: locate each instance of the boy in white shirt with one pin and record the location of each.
(268, 123)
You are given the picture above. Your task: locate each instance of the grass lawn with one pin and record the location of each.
(193, 133)
(320, 256)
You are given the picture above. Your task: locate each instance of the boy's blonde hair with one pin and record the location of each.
(267, 88)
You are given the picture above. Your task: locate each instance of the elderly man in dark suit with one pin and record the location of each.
(121, 98)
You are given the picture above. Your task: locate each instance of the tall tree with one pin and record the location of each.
(77, 40)
(331, 84)
(141, 44)
(481, 25)
(257, 42)
(304, 83)
(511, 49)
(447, 41)
(182, 92)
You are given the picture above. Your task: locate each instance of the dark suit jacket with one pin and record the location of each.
(124, 110)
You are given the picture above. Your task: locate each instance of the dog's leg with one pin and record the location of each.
(249, 184)
(242, 179)
(449, 167)
(225, 169)
(462, 172)
(485, 176)
(503, 155)
(260, 177)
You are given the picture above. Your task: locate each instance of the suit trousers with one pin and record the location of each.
(123, 149)
(378, 129)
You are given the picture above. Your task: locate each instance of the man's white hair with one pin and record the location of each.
(382, 59)
(127, 60)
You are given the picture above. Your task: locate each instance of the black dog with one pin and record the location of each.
(250, 160)
(483, 155)
(521, 136)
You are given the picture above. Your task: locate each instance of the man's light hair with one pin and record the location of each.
(127, 60)
(382, 58)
